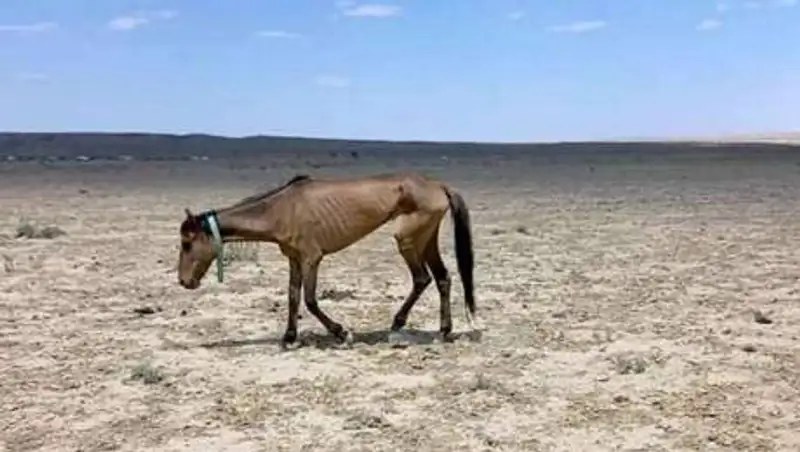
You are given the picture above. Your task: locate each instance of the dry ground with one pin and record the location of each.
(618, 300)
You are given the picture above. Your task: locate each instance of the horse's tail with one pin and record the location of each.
(463, 248)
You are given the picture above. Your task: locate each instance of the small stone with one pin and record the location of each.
(621, 398)
(144, 310)
(760, 318)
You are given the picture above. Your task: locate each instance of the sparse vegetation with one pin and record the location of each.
(335, 294)
(628, 363)
(8, 264)
(240, 252)
(147, 374)
(29, 230)
(519, 229)
(361, 420)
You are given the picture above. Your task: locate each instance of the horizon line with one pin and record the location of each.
(765, 137)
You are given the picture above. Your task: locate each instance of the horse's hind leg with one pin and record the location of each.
(408, 243)
(433, 259)
(420, 279)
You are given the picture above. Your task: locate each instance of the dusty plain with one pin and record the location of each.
(629, 303)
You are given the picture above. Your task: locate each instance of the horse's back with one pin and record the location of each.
(340, 212)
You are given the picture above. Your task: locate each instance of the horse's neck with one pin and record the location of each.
(252, 222)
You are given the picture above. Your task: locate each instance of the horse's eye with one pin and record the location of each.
(186, 246)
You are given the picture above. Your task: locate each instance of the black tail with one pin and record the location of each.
(463, 247)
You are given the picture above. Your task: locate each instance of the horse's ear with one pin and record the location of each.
(190, 217)
(190, 223)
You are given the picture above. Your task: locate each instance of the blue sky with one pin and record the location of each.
(485, 70)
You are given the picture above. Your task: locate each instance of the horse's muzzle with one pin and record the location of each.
(189, 284)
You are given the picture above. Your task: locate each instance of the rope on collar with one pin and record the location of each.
(212, 223)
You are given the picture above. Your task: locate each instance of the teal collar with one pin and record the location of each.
(212, 223)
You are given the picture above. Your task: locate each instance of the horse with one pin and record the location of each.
(310, 218)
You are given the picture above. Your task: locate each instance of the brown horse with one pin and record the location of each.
(310, 218)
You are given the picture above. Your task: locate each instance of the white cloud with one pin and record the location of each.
(583, 26)
(709, 25)
(278, 34)
(516, 15)
(377, 10)
(332, 81)
(125, 23)
(29, 29)
(140, 19)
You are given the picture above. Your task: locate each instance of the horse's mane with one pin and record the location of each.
(269, 193)
(190, 224)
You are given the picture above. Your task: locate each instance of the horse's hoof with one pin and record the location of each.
(288, 346)
(447, 337)
(345, 339)
(289, 341)
(348, 337)
(475, 324)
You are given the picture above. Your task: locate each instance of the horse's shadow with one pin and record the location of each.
(405, 338)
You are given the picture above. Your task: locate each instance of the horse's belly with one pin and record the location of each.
(344, 221)
(338, 240)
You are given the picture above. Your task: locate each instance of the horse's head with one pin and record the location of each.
(197, 250)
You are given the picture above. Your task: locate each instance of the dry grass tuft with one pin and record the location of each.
(28, 230)
(628, 363)
(240, 253)
(335, 294)
(147, 374)
(9, 265)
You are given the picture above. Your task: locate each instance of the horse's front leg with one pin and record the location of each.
(310, 271)
(295, 284)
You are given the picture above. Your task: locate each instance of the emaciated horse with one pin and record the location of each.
(310, 218)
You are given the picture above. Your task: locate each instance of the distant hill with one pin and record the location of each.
(784, 137)
(144, 146)
(792, 138)
(166, 146)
